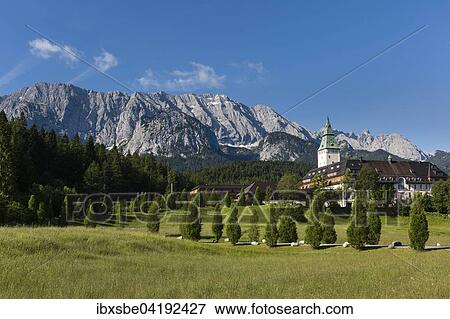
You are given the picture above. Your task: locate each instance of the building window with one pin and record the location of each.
(401, 184)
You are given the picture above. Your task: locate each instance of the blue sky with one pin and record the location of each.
(271, 52)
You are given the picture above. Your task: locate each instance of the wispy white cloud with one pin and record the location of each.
(250, 69)
(43, 48)
(258, 67)
(105, 61)
(81, 76)
(149, 80)
(200, 76)
(13, 73)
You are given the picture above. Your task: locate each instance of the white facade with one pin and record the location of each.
(328, 156)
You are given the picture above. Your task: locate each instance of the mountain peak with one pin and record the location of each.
(165, 124)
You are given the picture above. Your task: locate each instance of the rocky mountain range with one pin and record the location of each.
(186, 126)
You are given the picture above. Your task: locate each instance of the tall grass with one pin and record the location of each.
(76, 262)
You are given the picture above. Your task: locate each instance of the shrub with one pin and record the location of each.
(271, 235)
(296, 212)
(253, 233)
(233, 230)
(191, 226)
(313, 231)
(287, 230)
(418, 225)
(374, 224)
(152, 218)
(217, 225)
(428, 203)
(16, 213)
(118, 214)
(329, 235)
(88, 219)
(357, 230)
(171, 200)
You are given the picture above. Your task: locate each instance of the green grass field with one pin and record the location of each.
(107, 262)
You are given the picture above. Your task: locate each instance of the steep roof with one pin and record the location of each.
(328, 140)
(389, 171)
(262, 186)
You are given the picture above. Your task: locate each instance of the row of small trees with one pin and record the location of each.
(364, 227)
(191, 225)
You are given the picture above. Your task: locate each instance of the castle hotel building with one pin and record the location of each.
(406, 177)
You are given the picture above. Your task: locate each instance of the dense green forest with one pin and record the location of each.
(48, 166)
(246, 172)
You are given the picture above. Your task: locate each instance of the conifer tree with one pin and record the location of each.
(89, 151)
(171, 200)
(373, 223)
(258, 197)
(22, 164)
(287, 230)
(41, 212)
(65, 213)
(271, 234)
(268, 194)
(33, 204)
(233, 229)
(227, 200)
(418, 225)
(93, 178)
(118, 213)
(89, 220)
(183, 199)
(253, 232)
(199, 200)
(440, 193)
(357, 230)
(191, 226)
(3, 209)
(153, 220)
(313, 230)
(7, 177)
(329, 235)
(217, 225)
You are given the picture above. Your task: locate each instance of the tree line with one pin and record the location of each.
(39, 168)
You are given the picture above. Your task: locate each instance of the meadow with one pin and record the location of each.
(130, 262)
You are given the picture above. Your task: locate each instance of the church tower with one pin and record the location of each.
(329, 151)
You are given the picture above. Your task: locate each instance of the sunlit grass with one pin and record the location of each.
(108, 262)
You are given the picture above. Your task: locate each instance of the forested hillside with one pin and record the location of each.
(245, 172)
(48, 166)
